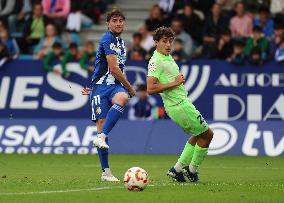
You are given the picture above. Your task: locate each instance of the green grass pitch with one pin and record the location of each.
(76, 178)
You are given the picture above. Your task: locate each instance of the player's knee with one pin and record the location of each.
(122, 99)
(210, 134)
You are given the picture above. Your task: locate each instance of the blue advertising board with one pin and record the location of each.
(37, 110)
(74, 136)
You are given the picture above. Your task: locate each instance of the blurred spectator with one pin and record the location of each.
(167, 6)
(16, 19)
(275, 41)
(225, 45)
(88, 57)
(252, 6)
(4, 54)
(177, 27)
(255, 57)
(241, 24)
(192, 23)
(10, 43)
(277, 6)
(279, 54)
(136, 48)
(203, 5)
(227, 6)
(257, 40)
(6, 8)
(93, 8)
(214, 24)
(76, 19)
(58, 11)
(147, 39)
(264, 21)
(178, 53)
(141, 105)
(72, 55)
(155, 19)
(56, 54)
(238, 57)
(45, 44)
(34, 28)
(136, 56)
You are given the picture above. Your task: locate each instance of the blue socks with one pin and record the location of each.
(103, 155)
(112, 117)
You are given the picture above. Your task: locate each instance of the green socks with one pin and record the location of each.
(198, 156)
(187, 154)
(192, 156)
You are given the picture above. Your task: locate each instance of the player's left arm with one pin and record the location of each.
(153, 85)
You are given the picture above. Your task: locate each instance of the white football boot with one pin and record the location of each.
(107, 176)
(100, 141)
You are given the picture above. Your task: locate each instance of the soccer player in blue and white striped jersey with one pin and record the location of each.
(109, 87)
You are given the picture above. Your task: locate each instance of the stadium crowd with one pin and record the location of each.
(237, 31)
(34, 28)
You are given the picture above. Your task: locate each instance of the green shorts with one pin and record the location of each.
(188, 118)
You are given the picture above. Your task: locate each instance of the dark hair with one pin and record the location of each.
(263, 9)
(163, 32)
(239, 43)
(178, 40)
(255, 50)
(226, 31)
(73, 46)
(177, 19)
(239, 2)
(142, 87)
(115, 13)
(90, 43)
(56, 45)
(257, 28)
(137, 34)
(278, 26)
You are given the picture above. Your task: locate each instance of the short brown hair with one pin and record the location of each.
(115, 13)
(163, 32)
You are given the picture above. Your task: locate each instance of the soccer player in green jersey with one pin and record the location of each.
(164, 78)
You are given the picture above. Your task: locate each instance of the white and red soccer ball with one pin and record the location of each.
(136, 178)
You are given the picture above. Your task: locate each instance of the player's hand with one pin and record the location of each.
(131, 91)
(86, 91)
(179, 79)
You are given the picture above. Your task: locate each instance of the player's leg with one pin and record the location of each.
(100, 108)
(119, 99)
(103, 155)
(186, 155)
(190, 119)
(200, 152)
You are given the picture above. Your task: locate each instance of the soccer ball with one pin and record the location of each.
(136, 178)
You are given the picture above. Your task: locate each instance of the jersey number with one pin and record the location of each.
(97, 99)
(200, 118)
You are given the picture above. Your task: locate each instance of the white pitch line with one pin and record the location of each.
(61, 191)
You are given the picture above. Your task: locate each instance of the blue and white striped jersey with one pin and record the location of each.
(110, 44)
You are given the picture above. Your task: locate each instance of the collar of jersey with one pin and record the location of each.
(162, 55)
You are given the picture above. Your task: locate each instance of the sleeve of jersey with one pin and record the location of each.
(153, 69)
(109, 46)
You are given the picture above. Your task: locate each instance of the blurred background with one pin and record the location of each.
(231, 53)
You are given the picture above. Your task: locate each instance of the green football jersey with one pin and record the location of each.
(165, 69)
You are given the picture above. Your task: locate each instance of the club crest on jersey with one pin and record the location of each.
(98, 110)
(113, 47)
(152, 66)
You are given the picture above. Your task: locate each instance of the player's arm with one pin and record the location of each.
(117, 73)
(153, 85)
